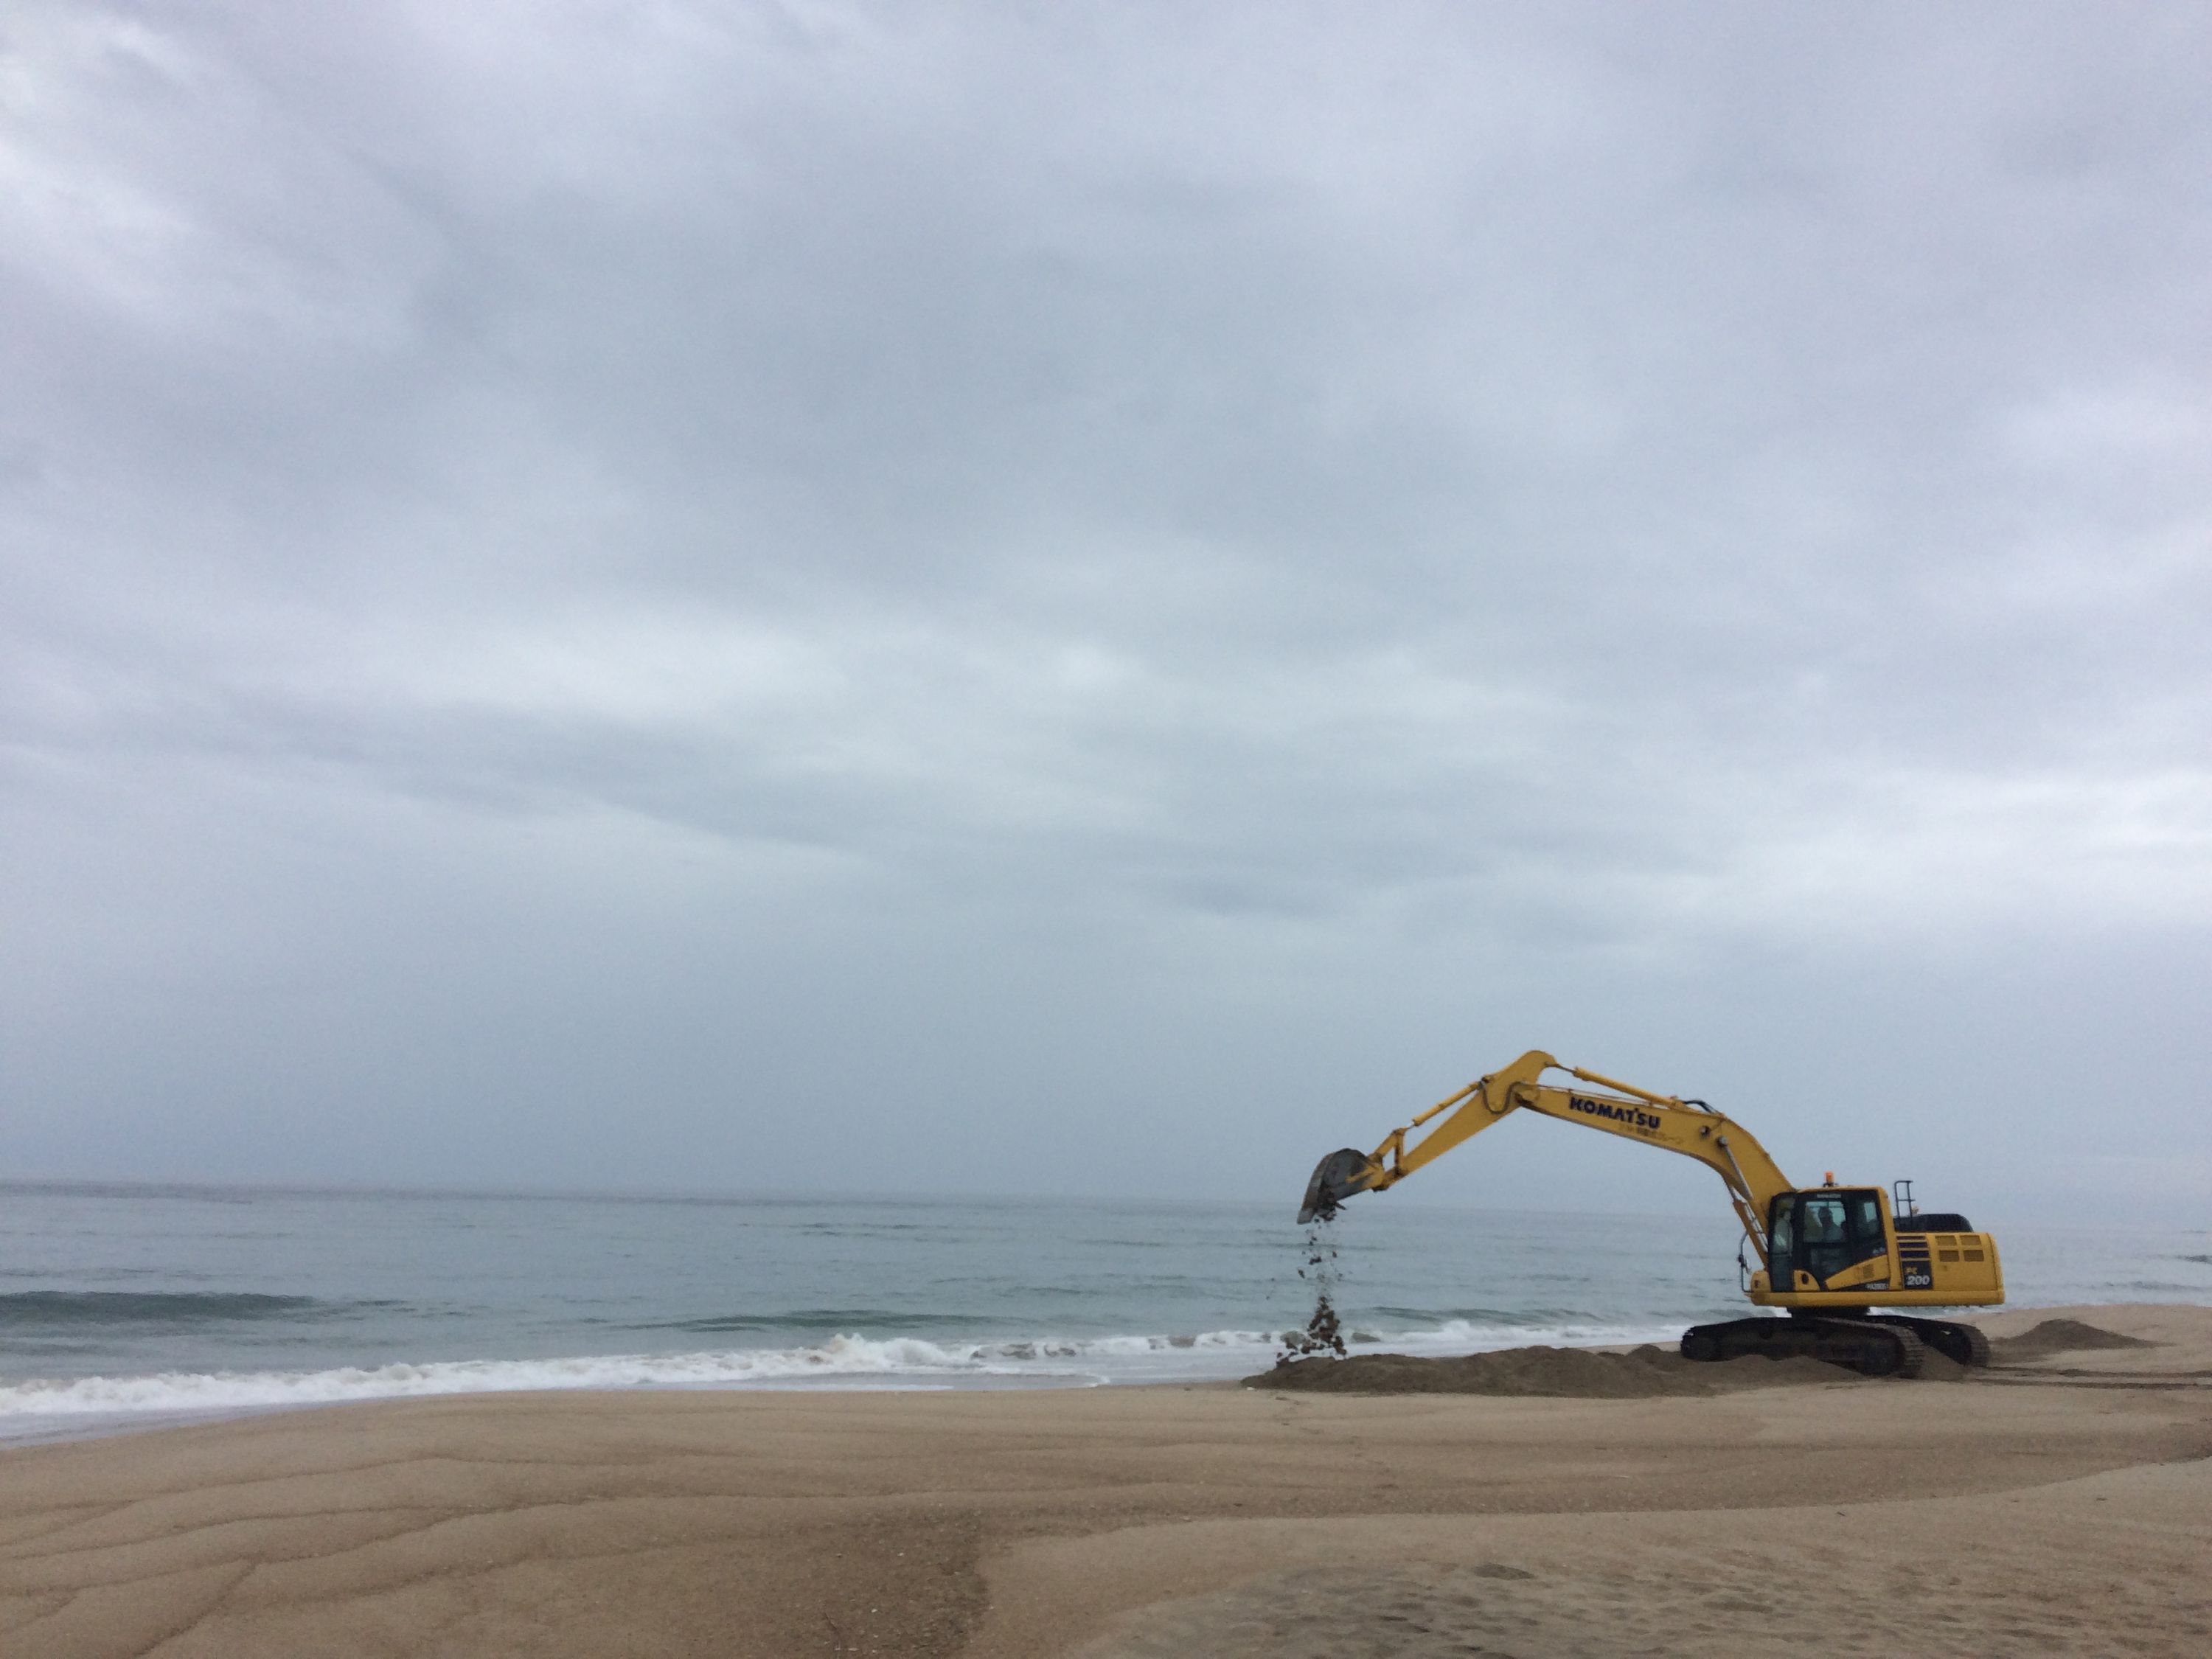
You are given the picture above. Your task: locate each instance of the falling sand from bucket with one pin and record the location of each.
(1324, 1332)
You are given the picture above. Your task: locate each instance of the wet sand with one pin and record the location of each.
(2062, 1504)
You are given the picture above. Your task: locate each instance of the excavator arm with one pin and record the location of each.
(1688, 1126)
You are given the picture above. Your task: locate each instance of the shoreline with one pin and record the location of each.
(2068, 1510)
(38, 1410)
(48, 1426)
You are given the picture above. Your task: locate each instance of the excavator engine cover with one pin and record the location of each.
(1336, 1178)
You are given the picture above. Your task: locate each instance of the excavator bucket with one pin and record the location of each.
(1336, 1178)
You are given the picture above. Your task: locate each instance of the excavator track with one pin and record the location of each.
(1871, 1347)
(1963, 1343)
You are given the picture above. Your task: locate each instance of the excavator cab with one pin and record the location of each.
(1833, 1247)
(1816, 1236)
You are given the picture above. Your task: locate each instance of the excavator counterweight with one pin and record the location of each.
(1829, 1254)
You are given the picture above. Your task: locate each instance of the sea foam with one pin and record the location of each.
(42, 1406)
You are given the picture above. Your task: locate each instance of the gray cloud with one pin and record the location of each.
(590, 595)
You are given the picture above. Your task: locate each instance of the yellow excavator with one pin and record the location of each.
(1829, 1254)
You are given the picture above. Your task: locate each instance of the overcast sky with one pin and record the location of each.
(1104, 598)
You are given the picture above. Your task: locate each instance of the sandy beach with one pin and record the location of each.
(2060, 1504)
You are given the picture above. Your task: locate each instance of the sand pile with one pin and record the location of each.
(1644, 1373)
(2060, 1336)
(1941, 1368)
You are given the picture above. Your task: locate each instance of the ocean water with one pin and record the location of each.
(136, 1304)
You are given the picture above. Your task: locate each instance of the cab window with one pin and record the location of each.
(1824, 1234)
(1825, 1251)
(1782, 1242)
(1866, 1220)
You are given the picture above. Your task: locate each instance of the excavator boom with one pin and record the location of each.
(1688, 1126)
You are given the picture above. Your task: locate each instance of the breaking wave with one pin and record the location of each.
(908, 1360)
(42, 1406)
